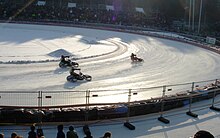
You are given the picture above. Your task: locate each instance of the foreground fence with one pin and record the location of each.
(38, 99)
(62, 106)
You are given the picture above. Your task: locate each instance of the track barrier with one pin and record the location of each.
(127, 123)
(190, 113)
(62, 106)
(161, 118)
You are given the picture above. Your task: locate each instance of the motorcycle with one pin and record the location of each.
(68, 63)
(136, 59)
(80, 76)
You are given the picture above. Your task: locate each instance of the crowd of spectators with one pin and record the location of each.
(71, 133)
(154, 19)
(75, 14)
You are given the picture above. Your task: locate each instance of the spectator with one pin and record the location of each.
(40, 132)
(13, 135)
(1, 135)
(32, 133)
(107, 135)
(203, 134)
(88, 135)
(71, 133)
(60, 133)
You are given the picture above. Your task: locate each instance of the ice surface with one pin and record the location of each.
(166, 62)
(29, 59)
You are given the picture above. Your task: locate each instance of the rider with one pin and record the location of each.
(63, 59)
(133, 56)
(72, 71)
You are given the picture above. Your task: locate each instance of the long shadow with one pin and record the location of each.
(59, 70)
(47, 32)
(84, 35)
(71, 85)
(21, 33)
(136, 64)
(175, 46)
(152, 126)
(177, 122)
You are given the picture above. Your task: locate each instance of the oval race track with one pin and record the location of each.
(104, 55)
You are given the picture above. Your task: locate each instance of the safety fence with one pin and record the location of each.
(35, 99)
(58, 106)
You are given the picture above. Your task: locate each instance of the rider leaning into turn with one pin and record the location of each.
(63, 59)
(72, 71)
(133, 56)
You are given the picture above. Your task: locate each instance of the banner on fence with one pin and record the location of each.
(210, 40)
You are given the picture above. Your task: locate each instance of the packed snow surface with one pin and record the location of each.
(30, 54)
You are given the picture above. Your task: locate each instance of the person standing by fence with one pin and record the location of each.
(60, 133)
(32, 133)
(71, 133)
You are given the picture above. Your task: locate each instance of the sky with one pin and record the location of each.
(30, 54)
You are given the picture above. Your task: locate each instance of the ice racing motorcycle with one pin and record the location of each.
(68, 63)
(80, 76)
(136, 59)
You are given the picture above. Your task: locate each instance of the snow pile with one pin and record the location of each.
(59, 52)
(93, 42)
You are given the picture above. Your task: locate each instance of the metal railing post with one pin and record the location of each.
(193, 85)
(40, 114)
(162, 102)
(190, 103)
(213, 100)
(161, 118)
(128, 105)
(87, 106)
(40, 109)
(214, 93)
(190, 98)
(86, 129)
(39, 99)
(127, 124)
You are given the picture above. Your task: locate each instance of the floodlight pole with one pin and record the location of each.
(190, 10)
(193, 18)
(200, 14)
